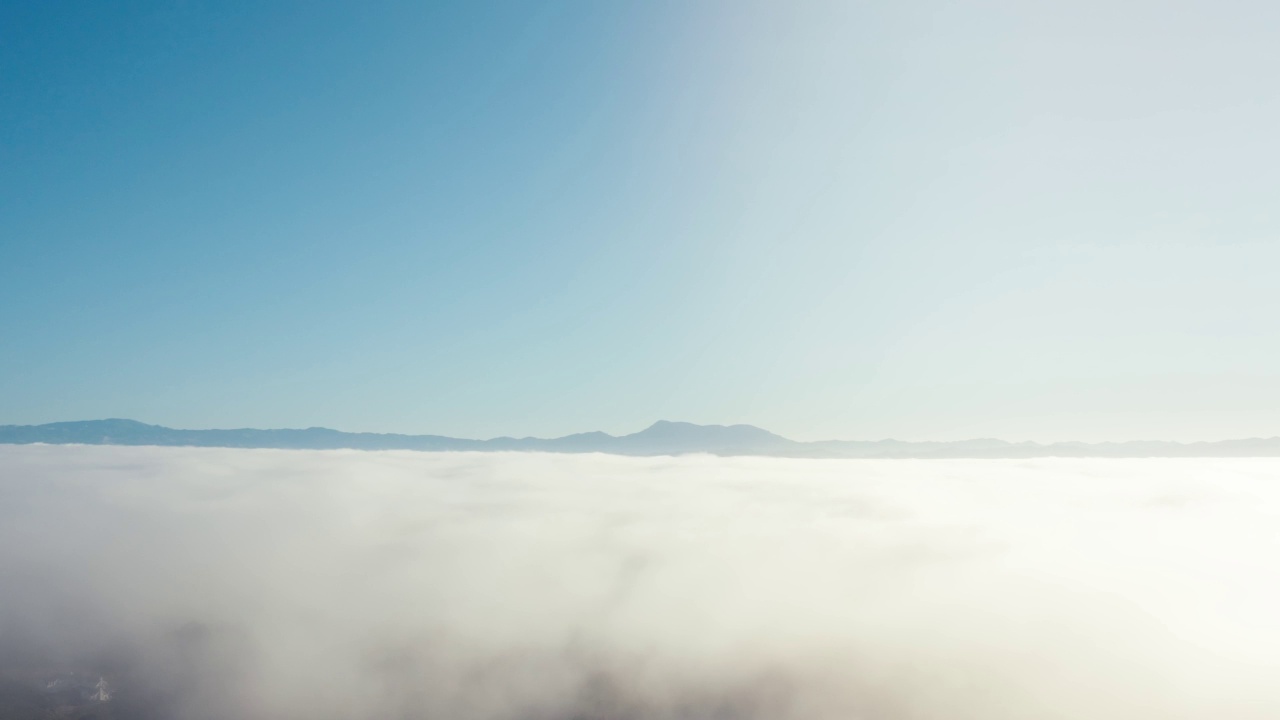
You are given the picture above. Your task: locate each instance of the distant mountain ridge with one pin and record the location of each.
(661, 438)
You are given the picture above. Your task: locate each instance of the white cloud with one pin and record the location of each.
(210, 583)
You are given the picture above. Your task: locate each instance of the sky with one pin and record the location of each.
(931, 220)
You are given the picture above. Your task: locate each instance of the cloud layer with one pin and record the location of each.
(211, 583)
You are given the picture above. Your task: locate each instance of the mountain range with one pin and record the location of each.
(661, 438)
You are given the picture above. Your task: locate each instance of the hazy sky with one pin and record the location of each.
(922, 220)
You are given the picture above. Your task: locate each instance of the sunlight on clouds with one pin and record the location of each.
(229, 583)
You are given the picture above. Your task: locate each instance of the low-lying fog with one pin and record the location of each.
(230, 584)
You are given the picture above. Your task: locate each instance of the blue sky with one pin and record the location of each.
(1033, 221)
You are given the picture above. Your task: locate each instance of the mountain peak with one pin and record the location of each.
(676, 426)
(686, 436)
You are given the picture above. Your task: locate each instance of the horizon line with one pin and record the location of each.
(652, 426)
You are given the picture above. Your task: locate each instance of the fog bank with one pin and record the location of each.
(216, 584)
